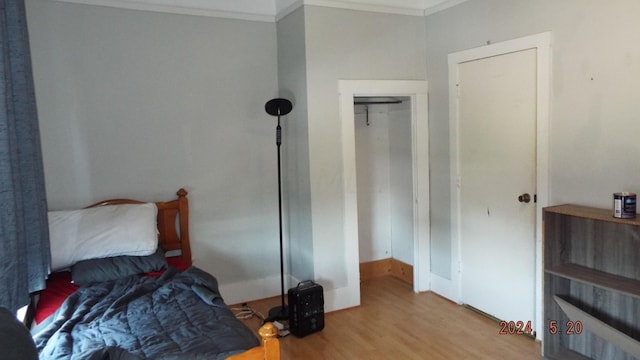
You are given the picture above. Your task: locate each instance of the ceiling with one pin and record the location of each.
(272, 10)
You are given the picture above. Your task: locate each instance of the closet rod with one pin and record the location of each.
(381, 102)
(366, 104)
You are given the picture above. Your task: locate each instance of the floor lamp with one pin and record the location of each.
(278, 107)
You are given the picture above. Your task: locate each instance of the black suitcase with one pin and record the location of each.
(306, 308)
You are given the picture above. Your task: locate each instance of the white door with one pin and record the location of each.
(497, 159)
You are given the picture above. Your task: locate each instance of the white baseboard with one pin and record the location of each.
(240, 292)
(341, 298)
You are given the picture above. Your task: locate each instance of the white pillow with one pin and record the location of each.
(100, 232)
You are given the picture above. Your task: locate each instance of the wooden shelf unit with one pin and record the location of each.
(591, 261)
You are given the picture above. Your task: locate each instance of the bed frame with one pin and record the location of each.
(173, 235)
(173, 223)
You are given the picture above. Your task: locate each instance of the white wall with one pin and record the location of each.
(401, 182)
(385, 183)
(373, 181)
(595, 99)
(138, 104)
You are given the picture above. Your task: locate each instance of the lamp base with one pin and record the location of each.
(278, 313)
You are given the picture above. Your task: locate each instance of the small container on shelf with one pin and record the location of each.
(624, 205)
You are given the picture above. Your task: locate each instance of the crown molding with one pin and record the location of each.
(272, 10)
(380, 6)
(388, 6)
(231, 9)
(438, 6)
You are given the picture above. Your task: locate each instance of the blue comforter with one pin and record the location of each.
(179, 315)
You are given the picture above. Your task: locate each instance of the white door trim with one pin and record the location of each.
(542, 43)
(417, 91)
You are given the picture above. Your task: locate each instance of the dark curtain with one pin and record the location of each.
(24, 233)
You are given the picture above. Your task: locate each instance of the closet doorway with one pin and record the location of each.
(415, 94)
(384, 172)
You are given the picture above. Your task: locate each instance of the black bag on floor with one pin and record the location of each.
(306, 308)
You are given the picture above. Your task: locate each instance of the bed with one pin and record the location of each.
(136, 304)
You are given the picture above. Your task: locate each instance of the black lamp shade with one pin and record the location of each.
(278, 107)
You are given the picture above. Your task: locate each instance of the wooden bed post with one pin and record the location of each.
(183, 209)
(269, 349)
(269, 334)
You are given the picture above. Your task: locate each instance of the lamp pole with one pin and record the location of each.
(278, 107)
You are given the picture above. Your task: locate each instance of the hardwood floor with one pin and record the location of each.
(395, 323)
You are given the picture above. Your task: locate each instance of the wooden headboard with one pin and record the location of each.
(170, 213)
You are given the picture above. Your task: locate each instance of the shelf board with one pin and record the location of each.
(596, 326)
(567, 354)
(597, 278)
(587, 212)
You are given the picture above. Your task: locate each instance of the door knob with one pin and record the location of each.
(524, 198)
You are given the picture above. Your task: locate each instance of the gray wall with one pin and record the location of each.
(595, 102)
(345, 44)
(292, 81)
(139, 104)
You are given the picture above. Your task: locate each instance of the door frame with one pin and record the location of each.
(542, 43)
(416, 90)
